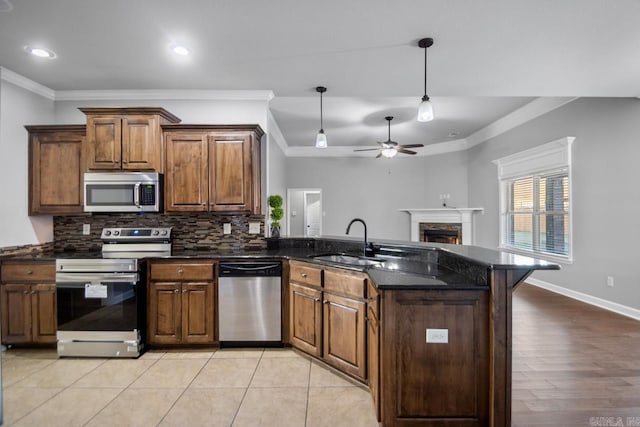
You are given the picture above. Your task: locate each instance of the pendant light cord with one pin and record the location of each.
(425, 71)
(321, 127)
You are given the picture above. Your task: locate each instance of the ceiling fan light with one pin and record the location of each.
(389, 152)
(321, 139)
(425, 110)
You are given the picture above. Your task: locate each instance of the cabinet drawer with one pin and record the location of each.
(305, 273)
(345, 283)
(182, 271)
(29, 272)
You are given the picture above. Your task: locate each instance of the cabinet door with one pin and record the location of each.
(55, 172)
(104, 143)
(165, 313)
(186, 178)
(140, 148)
(373, 361)
(197, 312)
(305, 319)
(230, 173)
(16, 313)
(344, 334)
(43, 309)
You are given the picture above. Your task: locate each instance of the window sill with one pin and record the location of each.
(538, 255)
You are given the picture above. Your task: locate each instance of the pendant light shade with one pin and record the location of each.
(321, 138)
(425, 110)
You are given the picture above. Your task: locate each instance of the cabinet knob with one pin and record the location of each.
(303, 274)
(29, 272)
(316, 299)
(33, 292)
(176, 291)
(325, 302)
(25, 292)
(180, 271)
(124, 161)
(184, 291)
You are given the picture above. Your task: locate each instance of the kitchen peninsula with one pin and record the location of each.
(426, 326)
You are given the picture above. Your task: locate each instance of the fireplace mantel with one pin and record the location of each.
(462, 216)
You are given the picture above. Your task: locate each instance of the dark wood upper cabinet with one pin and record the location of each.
(213, 168)
(126, 138)
(56, 169)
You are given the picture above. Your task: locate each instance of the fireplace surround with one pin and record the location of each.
(462, 216)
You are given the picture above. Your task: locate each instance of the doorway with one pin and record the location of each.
(304, 212)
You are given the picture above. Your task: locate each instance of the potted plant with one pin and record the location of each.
(275, 203)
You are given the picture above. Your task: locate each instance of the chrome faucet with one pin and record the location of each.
(368, 248)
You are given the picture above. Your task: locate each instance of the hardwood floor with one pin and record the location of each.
(573, 364)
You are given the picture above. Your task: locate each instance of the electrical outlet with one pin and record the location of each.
(226, 228)
(86, 229)
(610, 281)
(437, 336)
(254, 228)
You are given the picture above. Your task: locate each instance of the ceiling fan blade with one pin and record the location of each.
(367, 149)
(407, 152)
(410, 146)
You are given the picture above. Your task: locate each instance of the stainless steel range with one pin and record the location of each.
(101, 301)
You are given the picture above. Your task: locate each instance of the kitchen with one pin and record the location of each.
(468, 175)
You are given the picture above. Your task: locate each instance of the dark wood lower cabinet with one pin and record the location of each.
(305, 317)
(428, 383)
(344, 330)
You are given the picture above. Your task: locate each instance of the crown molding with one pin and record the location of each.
(157, 94)
(527, 112)
(274, 131)
(429, 150)
(25, 83)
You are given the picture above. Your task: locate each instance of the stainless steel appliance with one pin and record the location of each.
(122, 192)
(101, 301)
(249, 301)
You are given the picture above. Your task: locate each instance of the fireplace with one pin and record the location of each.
(439, 232)
(458, 219)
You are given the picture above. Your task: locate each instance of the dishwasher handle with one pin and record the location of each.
(252, 269)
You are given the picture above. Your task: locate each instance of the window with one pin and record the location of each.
(535, 202)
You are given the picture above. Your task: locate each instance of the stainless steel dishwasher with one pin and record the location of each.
(249, 304)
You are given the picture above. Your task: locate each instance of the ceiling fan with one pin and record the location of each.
(390, 148)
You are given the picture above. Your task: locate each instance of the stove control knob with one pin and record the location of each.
(164, 232)
(107, 233)
(116, 233)
(155, 232)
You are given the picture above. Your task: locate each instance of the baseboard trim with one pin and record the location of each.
(586, 298)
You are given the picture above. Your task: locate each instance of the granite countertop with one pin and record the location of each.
(404, 265)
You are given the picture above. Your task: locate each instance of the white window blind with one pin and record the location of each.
(535, 201)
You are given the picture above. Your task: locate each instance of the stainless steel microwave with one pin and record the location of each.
(122, 192)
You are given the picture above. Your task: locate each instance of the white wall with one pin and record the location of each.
(606, 194)
(276, 180)
(19, 107)
(374, 189)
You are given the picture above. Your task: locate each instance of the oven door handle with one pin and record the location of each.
(80, 279)
(136, 194)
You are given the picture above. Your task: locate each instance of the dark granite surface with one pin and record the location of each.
(404, 265)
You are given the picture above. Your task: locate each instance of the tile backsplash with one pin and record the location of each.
(197, 231)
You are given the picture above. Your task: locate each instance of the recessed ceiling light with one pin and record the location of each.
(40, 52)
(178, 49)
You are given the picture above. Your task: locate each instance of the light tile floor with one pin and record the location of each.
(271, 387)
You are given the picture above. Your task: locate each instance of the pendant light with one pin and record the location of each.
(425, 110)
(321, 138)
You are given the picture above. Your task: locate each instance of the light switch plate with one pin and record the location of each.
(86, 229)
(437, 336)
(226, 228)
(254, 228)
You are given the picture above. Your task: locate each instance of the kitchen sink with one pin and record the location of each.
(348, 259)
